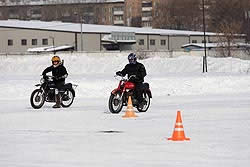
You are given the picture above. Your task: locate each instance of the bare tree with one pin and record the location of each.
(161, 15)
(227, 20)
(246, 22)
(178, 14)
(226, 38)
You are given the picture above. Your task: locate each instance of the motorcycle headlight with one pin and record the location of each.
(42, 80)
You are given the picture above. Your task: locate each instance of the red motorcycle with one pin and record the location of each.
(119, 96)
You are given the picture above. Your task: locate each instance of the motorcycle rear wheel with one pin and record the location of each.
(115, 105)
(145, 107)
(37, 99)
(67, 98)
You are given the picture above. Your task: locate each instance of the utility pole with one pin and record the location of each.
(81, 21)
(53, 42)
(247, 13)
(205, 41)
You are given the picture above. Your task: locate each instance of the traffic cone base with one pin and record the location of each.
(129, 114)
(129, 111)
(178, 134)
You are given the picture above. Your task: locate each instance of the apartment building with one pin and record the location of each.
(133, 13)
(137, 13)
(105, 12)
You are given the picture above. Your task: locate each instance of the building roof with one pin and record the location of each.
(214, 45)
(201, 45)
(91, 28)
(51, 48)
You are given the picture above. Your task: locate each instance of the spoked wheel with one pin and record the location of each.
(115, 104)
(67, 98)
(37, 98)
(146, 105)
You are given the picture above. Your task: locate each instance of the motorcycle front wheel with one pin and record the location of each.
(37, 99)
(67, 98)
(115, 104)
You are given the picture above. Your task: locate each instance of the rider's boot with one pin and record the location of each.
(58, 101)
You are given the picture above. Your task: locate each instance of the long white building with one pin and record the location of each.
(19, 36)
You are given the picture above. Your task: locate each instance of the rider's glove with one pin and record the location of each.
(119, 73)
(64, 76)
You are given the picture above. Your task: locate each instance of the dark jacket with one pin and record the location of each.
(137, 69)
(58, 72)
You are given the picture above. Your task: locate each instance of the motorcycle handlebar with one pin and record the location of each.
(49, 76)
(123, 78)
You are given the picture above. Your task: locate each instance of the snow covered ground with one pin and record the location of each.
(214, 106)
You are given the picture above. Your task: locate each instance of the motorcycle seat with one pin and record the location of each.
(52, 85)
(67, 86)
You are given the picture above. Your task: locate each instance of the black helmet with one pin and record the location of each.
(132, 58)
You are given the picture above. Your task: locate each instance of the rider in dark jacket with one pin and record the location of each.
(137, 69)
(59, 74)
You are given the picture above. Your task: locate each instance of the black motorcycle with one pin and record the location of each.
(46, 93)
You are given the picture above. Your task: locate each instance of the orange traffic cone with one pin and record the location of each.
(178, 134)
(129, 111)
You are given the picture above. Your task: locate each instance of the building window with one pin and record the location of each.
(163, 42)
(141, 42)
(13, 14)
(34, 42)
(45, 41)
(147, 14)
(147, 24)
(36, 13)
(118, 8)
(118, 18)
(152, 42)
(194, 41)
(24, 42)
(146, 4)
(10, 42)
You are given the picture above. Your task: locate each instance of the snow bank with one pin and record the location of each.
(94, 74)
(96, 63)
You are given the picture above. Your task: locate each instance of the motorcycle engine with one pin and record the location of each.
(51, 95)
(134, 101)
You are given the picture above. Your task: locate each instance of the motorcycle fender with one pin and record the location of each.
(73, 91)
(114, 91)
(149, 93)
